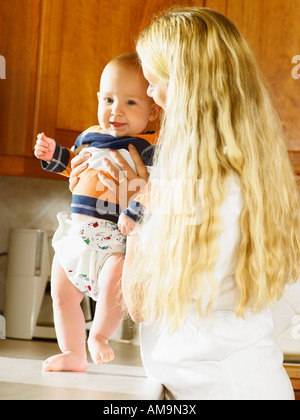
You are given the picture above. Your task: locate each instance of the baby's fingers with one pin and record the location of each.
(39, 151)
(39, 154)
(41, 147)
(42, 139)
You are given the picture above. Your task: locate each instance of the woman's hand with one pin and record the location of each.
(125, 184)
(78, 165)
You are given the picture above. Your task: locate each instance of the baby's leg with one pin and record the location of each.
(109, 310)
(69, 324)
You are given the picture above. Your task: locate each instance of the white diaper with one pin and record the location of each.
(83, 247)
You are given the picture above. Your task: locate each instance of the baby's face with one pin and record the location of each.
(124, 107)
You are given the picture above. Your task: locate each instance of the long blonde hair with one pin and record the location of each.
(216, 102)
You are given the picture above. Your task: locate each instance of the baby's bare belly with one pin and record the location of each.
(82, 217)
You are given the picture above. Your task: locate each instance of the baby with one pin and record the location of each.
(89, 248)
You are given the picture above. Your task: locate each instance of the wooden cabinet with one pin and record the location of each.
(272, 29)
(55, 51)
(293, 371)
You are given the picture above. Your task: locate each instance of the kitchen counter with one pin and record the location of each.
(107, 382)
(21, 375)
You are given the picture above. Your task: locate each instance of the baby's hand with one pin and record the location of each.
(44, 147)
(125, 224)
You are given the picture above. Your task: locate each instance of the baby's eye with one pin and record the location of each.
(130, 102)
(108, 100)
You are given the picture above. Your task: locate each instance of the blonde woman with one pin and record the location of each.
(203, 291)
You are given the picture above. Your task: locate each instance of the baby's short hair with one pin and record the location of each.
(130, 59)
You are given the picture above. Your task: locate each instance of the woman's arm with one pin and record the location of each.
(130, 246)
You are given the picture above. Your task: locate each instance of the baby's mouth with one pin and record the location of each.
(117, 125)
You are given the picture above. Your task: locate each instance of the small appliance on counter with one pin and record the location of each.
(2, 327)
(28, 306)
(28, 272)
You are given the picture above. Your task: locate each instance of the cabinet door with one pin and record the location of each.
(19, 43)
(19, 29)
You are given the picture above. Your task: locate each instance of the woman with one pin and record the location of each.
(203, 290)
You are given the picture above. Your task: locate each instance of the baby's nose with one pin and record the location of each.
(117, 109)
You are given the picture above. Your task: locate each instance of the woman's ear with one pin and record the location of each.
(154, 112)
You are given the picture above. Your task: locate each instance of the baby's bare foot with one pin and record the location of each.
(67, 361)
(100, 350)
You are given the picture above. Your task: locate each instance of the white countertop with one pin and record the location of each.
(106, 382)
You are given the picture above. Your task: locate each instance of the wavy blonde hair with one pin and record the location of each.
(216, 101)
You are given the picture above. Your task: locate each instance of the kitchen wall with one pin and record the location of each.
(28, 203)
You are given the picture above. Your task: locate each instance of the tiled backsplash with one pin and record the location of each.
(28, 203)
